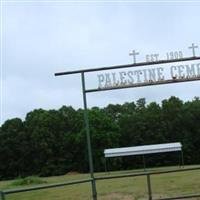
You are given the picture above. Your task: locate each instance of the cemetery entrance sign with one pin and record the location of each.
(137, 78)
(145, 77)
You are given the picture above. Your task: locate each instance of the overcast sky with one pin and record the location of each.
(41, 38)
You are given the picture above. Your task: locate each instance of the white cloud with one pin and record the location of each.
(43, 39)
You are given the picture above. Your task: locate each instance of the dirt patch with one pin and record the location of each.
(116, 196)
(73, 173)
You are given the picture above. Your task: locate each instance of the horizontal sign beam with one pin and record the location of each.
(144, 84)
(127, 66)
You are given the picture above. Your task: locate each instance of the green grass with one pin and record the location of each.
(31, 180)
(165, 185)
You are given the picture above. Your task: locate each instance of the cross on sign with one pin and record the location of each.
(134, 54)
(193, 47)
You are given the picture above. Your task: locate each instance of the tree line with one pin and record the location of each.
(53, 142)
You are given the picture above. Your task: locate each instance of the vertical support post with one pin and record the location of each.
(86, 119)
(2, 195)
(182, 159)
(106, 165)
(144, 162)
(149, 186)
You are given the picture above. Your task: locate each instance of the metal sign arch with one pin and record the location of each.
(141, 64)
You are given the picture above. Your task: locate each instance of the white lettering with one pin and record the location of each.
(160, 74)
(190, 71)
(152, 75)
(198, 69)
(180, 71)
(123, 78)
(138, 73)
(108, 81)
(130, 75)
(115, 82)
(101, 80)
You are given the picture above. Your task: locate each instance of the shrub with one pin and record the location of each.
(30, 180)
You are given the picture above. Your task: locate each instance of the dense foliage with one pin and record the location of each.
(53, 142)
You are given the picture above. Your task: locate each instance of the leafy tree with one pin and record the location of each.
(53, 142)
(13, 145)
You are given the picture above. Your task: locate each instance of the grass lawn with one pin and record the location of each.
(164, 185)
